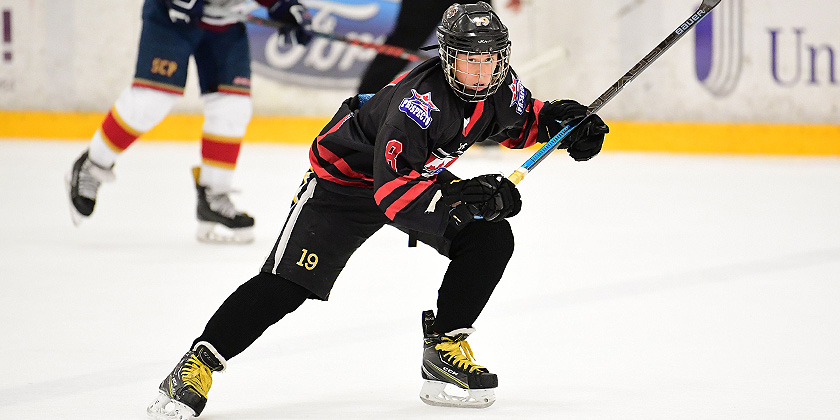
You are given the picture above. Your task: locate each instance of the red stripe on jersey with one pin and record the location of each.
(529, 137)
(340, 164)
(406, 198)
(336, 161)
(323, 174)
(389, 187)
(335, 127)
(117, 133)
(479, 109)
(397, 80)
(214, 28)
(224, 153)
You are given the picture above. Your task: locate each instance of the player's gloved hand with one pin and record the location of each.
(491, 197)
(507, 202)
(185, 11)
(584, 141)
(296, 20)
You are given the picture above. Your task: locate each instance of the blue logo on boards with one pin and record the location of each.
(419, 108)
(324, 63)
(718, 48)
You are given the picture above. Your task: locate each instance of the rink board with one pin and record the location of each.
(625, 136)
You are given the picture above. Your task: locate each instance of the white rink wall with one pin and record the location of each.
(757, 62)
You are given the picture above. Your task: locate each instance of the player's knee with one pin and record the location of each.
(227, 114)
(492, 239)
(143, 108)
(273, 291)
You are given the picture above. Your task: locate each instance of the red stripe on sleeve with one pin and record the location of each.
(397, 80)
(406, 199)
(323, 174)
(392, 185)
(340, 163)
(529, 137)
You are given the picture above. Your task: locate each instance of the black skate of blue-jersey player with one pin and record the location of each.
(382, 160)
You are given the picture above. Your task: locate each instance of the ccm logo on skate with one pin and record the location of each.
(449, 370)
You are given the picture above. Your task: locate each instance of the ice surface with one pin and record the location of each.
(643, 286)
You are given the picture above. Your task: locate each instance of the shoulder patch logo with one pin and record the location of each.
(518, 97)
(419, 108)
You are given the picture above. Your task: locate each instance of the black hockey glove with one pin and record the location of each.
(490, 197)
(185, 11)
(583, 142)
(296, 20)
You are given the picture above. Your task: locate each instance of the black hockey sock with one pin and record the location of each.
(256, 305)
(480, 253)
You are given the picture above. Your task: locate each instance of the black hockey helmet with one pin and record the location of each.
(473, 29)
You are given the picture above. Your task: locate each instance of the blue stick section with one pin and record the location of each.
(549, 146)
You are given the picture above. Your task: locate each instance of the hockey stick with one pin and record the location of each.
(605, 97)
(386, 49)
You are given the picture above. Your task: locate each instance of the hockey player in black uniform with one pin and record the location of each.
(382, 160)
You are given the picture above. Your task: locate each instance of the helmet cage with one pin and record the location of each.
(452, 64)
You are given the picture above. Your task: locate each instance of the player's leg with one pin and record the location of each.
(240, 320)
(160, 76)
(479, 254)
(224, 74)
(322, 231)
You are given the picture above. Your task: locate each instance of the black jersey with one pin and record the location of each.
(396, 145)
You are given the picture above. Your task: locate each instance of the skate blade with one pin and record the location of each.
(163, 408)
(435, 393)
(216, 233)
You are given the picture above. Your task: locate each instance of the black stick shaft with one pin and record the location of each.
(610, 93)
(387, 49)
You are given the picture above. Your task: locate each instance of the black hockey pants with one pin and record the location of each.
(479, 255)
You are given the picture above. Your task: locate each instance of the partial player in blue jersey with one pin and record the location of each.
(212, 33)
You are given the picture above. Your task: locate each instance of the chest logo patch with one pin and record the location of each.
(518, 97)
(419, 108)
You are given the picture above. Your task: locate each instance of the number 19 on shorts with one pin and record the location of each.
(308, 260)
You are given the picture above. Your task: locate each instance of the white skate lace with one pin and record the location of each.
(90, 177)
(220, 203)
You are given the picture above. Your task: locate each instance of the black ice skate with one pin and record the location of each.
(82, 183)
(183, 393)
(448, 362)
(218, 220)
